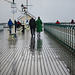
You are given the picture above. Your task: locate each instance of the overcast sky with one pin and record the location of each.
(48, 10)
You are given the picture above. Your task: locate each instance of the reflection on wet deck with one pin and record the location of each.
(34, 56)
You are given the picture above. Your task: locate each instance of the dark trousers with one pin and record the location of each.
(10, 29)
(32, 31)
(15, 28)
(23, 28)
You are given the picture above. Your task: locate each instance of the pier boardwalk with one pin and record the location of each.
(34, 56)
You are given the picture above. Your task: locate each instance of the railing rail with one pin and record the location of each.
(65, 33)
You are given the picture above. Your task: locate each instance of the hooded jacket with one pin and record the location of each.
(39, 25)
(10, 23)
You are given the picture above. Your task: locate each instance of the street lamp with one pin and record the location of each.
(13, 7)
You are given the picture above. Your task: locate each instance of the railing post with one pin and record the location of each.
(74, 38)
(63, 33)
(70, 36)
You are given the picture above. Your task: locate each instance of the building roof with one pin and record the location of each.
(29, 14)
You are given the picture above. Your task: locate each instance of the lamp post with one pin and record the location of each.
(13, 7)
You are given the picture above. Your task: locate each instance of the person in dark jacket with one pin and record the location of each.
(10, 23)
(57, 22)
(72, 21)
(15, 25)
(18, 24)
(32, 24)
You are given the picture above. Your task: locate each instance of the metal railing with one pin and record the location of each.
(65, 33)
(1, 27)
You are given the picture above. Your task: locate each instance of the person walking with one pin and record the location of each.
(32, 24)
(39, 26)
(18, 24)
(10, 23)
(15, 25)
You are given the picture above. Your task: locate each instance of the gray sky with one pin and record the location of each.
(48, 10)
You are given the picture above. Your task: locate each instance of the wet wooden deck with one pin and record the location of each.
(34, 56)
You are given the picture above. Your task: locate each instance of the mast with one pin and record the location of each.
(27, 5)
